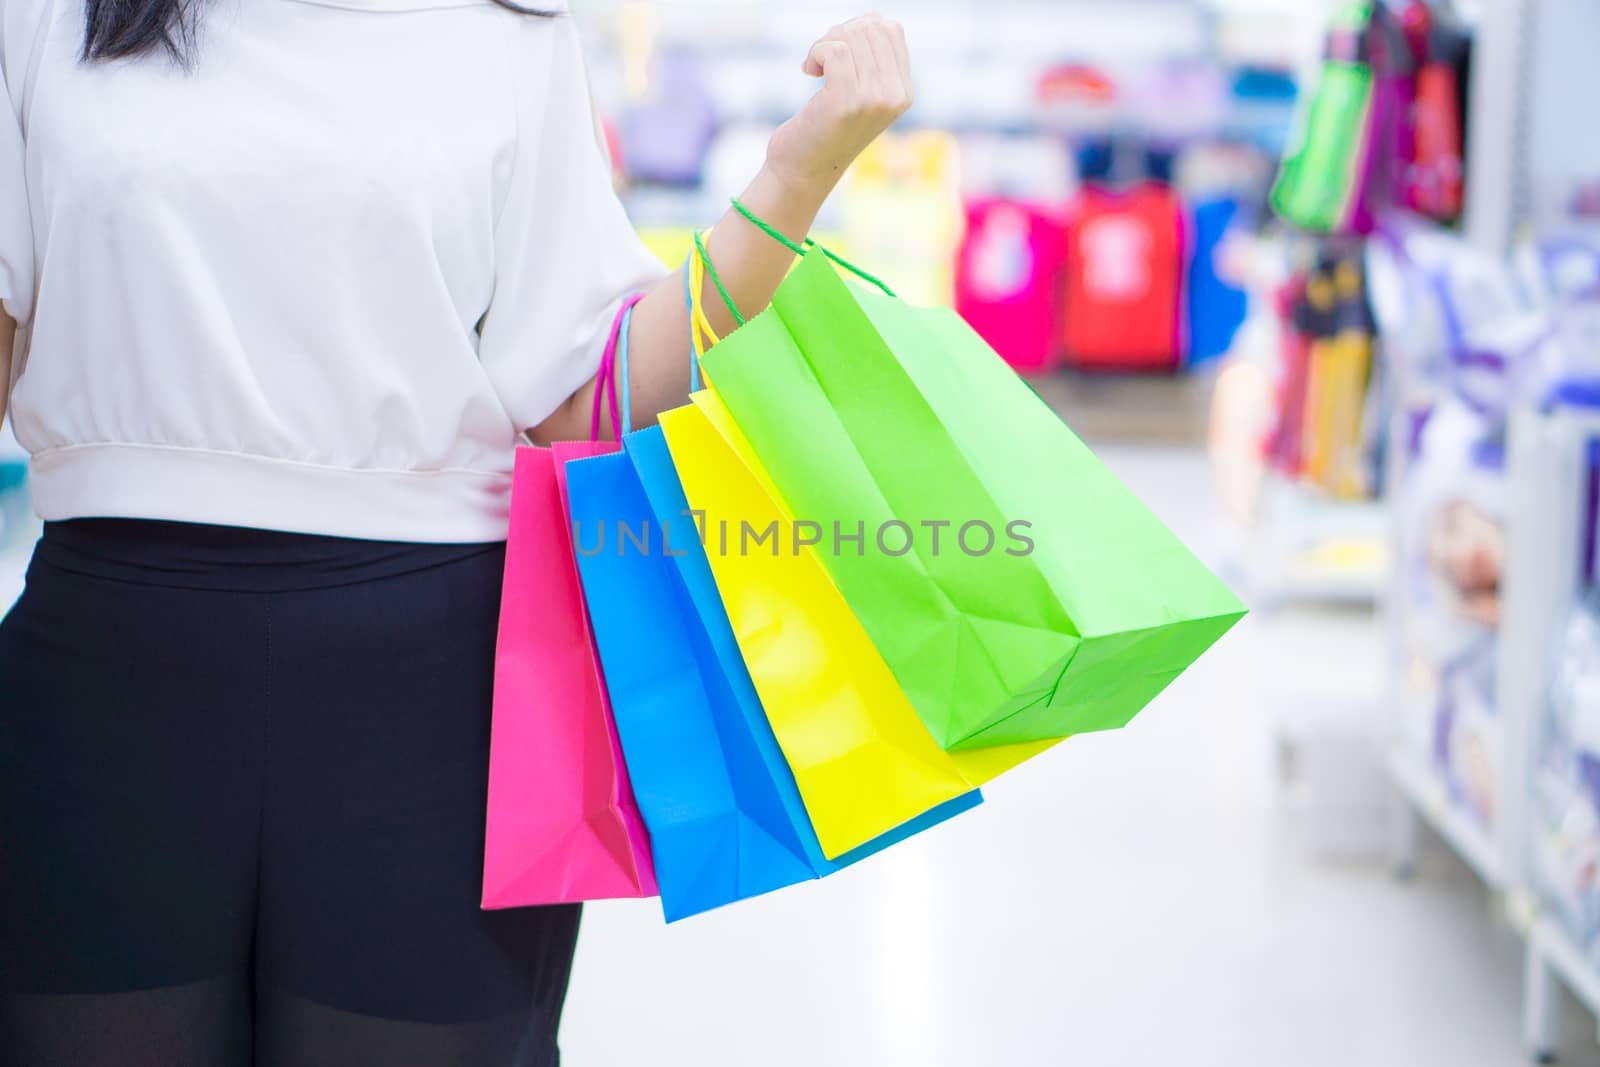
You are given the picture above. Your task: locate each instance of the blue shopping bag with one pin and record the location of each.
(725, 816)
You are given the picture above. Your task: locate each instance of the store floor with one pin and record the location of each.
(1148, 898)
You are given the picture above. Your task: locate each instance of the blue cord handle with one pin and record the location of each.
(622, 371)
(688, 299)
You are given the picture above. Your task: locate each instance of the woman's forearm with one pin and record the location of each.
(750, 263)
(8, 339)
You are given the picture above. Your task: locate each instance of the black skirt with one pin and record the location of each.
(242, 781)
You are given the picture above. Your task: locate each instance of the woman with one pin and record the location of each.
(288, 279)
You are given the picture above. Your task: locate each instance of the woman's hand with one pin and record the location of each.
(866, 86)
(866, 74)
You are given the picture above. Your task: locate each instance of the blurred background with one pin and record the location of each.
(1321, 280)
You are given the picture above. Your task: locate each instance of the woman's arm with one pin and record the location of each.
(8, 338)
(867, 85)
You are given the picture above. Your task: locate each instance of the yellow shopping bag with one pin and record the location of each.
(863, 760)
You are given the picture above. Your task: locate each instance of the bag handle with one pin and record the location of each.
(605, 380)
(710, 269)
(801, 249)
(701, 335)
(623, 384)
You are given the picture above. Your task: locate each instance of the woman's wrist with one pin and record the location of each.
(790, 205)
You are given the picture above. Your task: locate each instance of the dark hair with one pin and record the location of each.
(116, 29)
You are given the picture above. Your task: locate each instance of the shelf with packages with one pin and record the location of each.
(1552, 666)
(1428, 794)
(1492, 477)
(1472, 493)
(1379, 129)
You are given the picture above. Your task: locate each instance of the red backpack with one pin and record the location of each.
(1123, 284)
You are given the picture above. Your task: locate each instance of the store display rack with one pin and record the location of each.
(1306, 546)
(1547, 470)
(1429, 800)
(1512, 149)
(1553, 958)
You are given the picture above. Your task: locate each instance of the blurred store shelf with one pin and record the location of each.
(1306, 546)
(1429, 796)
(1167, 410)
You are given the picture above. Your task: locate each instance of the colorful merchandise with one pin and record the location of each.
(1124, 279)
(901, 205)
(1006, 280)
(1216, 306)
(1286, 445)
(1036, 614)
(1265, 93)
(1324, 175)
(1385, 124)
(1391, 136)
(665, 134)
(1332, 421)
(1077, 95)
(1434, 183)
(1342, 371)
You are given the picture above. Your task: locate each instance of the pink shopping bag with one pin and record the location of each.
(562, 823)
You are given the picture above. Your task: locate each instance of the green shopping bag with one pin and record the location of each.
(1015, 587)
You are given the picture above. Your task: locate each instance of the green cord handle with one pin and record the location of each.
(716, 279)
(771, 231)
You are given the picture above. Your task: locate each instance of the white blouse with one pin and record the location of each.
(320, 281)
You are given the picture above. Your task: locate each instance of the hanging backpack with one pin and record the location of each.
(1006, 276)
(1124, 279)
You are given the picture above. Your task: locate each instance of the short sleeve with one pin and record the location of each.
(566, 256)
(16, 232)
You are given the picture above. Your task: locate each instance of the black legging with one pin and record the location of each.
(242, 780)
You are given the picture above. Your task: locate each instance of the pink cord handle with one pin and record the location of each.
(606, 383)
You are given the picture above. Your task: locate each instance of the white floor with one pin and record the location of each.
(1143, 898)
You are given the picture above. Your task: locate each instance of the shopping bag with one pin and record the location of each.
(562, 824)
(725, 820)
(1017, 590)
(652, 462)
(863, 762)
